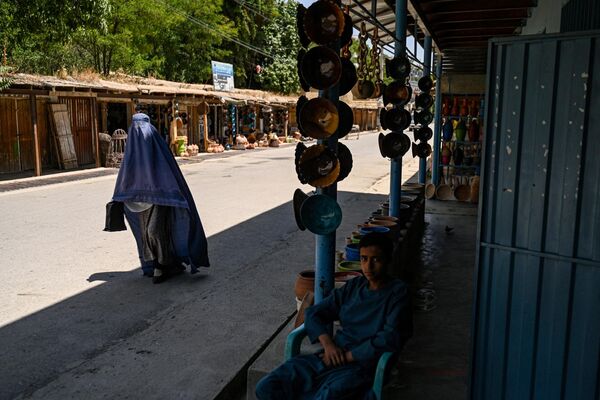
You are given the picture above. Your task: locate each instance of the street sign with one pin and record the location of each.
(222, 76)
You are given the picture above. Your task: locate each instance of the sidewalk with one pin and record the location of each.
(54, 176)
(201, 348)
(434, 363)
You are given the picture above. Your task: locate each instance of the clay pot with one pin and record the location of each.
(346, 266)
(305, 281)
(385, 218)
(380, 222)
(414, 188)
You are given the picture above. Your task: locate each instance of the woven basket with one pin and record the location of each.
(444, 192)
(462, 193)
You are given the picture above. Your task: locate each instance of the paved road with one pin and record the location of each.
(76, 317)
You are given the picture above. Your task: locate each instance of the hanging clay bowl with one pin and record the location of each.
(382, 115)
(423, 117)
(321, 67)
(345, 159)
(424, 100)
(299, 198)
(346, 37)
(346, 118)
(398, 93)
(394, 144)
(348, 78)
(318, 166)
(398, 68)
(363, 89)
(423, 134)
(397, 119)
(425, 84)
(324, 22)
(319, 118)
(302, 100)
(303, 84)
(321, 214)
(300, 148)
(423, 150)
(300, 13)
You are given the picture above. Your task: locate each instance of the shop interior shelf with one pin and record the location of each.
(461, 166)
(461, 142)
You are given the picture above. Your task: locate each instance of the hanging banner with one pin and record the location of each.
(222, 76)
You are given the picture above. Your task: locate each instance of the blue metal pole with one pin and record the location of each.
(396, 165)
(426, 71)
(325, 244)
(437, 134)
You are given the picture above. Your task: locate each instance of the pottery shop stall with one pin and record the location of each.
(326, 118)
(454, 169)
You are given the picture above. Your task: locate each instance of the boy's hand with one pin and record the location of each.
(333, 356)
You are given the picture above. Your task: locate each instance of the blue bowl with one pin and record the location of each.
(321, 214)
(368, 229)
(352, 252)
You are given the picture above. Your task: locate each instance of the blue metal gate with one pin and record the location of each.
(536, 329)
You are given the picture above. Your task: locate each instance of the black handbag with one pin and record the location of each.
(115, 217)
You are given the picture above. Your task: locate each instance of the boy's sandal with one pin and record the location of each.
(425, 307)
(425, 295)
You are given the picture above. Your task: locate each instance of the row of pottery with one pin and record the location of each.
(462, 189)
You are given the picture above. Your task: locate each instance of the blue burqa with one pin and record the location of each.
(149, 174)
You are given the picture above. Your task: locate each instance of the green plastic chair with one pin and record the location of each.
(384, 365)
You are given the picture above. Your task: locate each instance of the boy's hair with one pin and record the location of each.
(378, 239)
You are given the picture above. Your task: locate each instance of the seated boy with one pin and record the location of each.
(375, 317)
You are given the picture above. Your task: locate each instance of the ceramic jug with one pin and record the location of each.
(447, 130)
(460, 131)
(474, 131)
(446, 153)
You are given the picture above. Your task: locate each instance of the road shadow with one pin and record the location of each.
(38, 348)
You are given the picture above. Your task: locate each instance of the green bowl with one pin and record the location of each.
(346, 266)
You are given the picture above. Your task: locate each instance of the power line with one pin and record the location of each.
(252, 9)
(209, 27)
(373, 20)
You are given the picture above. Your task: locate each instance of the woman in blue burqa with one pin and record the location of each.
(159, 205)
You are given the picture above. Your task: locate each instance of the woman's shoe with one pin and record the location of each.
(166, 272)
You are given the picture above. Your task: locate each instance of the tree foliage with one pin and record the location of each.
(280, 72)
(250, 17)
(170, 39)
